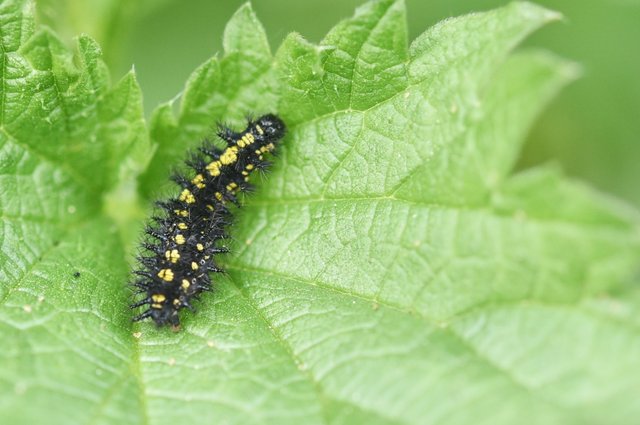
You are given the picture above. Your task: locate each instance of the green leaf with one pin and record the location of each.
(391, 270)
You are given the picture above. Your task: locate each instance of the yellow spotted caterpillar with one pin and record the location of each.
(181, 244)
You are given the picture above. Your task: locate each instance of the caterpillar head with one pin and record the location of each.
(272, 126)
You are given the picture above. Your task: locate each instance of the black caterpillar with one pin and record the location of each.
(181, 244)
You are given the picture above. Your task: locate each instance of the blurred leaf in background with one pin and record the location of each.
(110, 22)
(592, 129)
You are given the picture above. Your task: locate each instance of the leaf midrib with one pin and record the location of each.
(390, 5)
(605, 229)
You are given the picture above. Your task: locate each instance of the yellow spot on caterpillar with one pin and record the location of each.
(185, 284)
(218, 196)
(158, 298)
(210, 207)
(182, 213)
(182, 226)
(180, 239)
(187, 196)
(194, 265)
(231, 186)
(250, 167)
(166, 274)
(176, 302)
(267, 148)
(246, 179)
(245, 173)
(200, 247)
(197, 180)
(260, 130)
(229, 156)
(157, 306)
(258, 152)
(172, 255)
(246, 140)
(214, 168)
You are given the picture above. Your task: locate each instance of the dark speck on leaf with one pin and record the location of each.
(76, 274)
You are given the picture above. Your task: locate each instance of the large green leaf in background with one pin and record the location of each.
(390, 271)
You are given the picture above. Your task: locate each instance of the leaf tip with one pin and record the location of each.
(131, 78)
(246, 7)
(570, 70)
(566, 70)
(244, 31)
(368, 6)
(535, 12)
(244, 12)
(295, 37)
(88, 46)
(292, 45)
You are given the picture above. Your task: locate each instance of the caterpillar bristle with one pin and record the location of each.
(140, 303)
(210, 150)
(179, 179)
(225, 133)
(143, 273)
(142, 316)
(155, 233)
(195, 162)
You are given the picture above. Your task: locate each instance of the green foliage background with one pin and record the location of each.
(394, 270)
(592, 128)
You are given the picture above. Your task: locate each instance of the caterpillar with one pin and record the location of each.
(180, 245)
